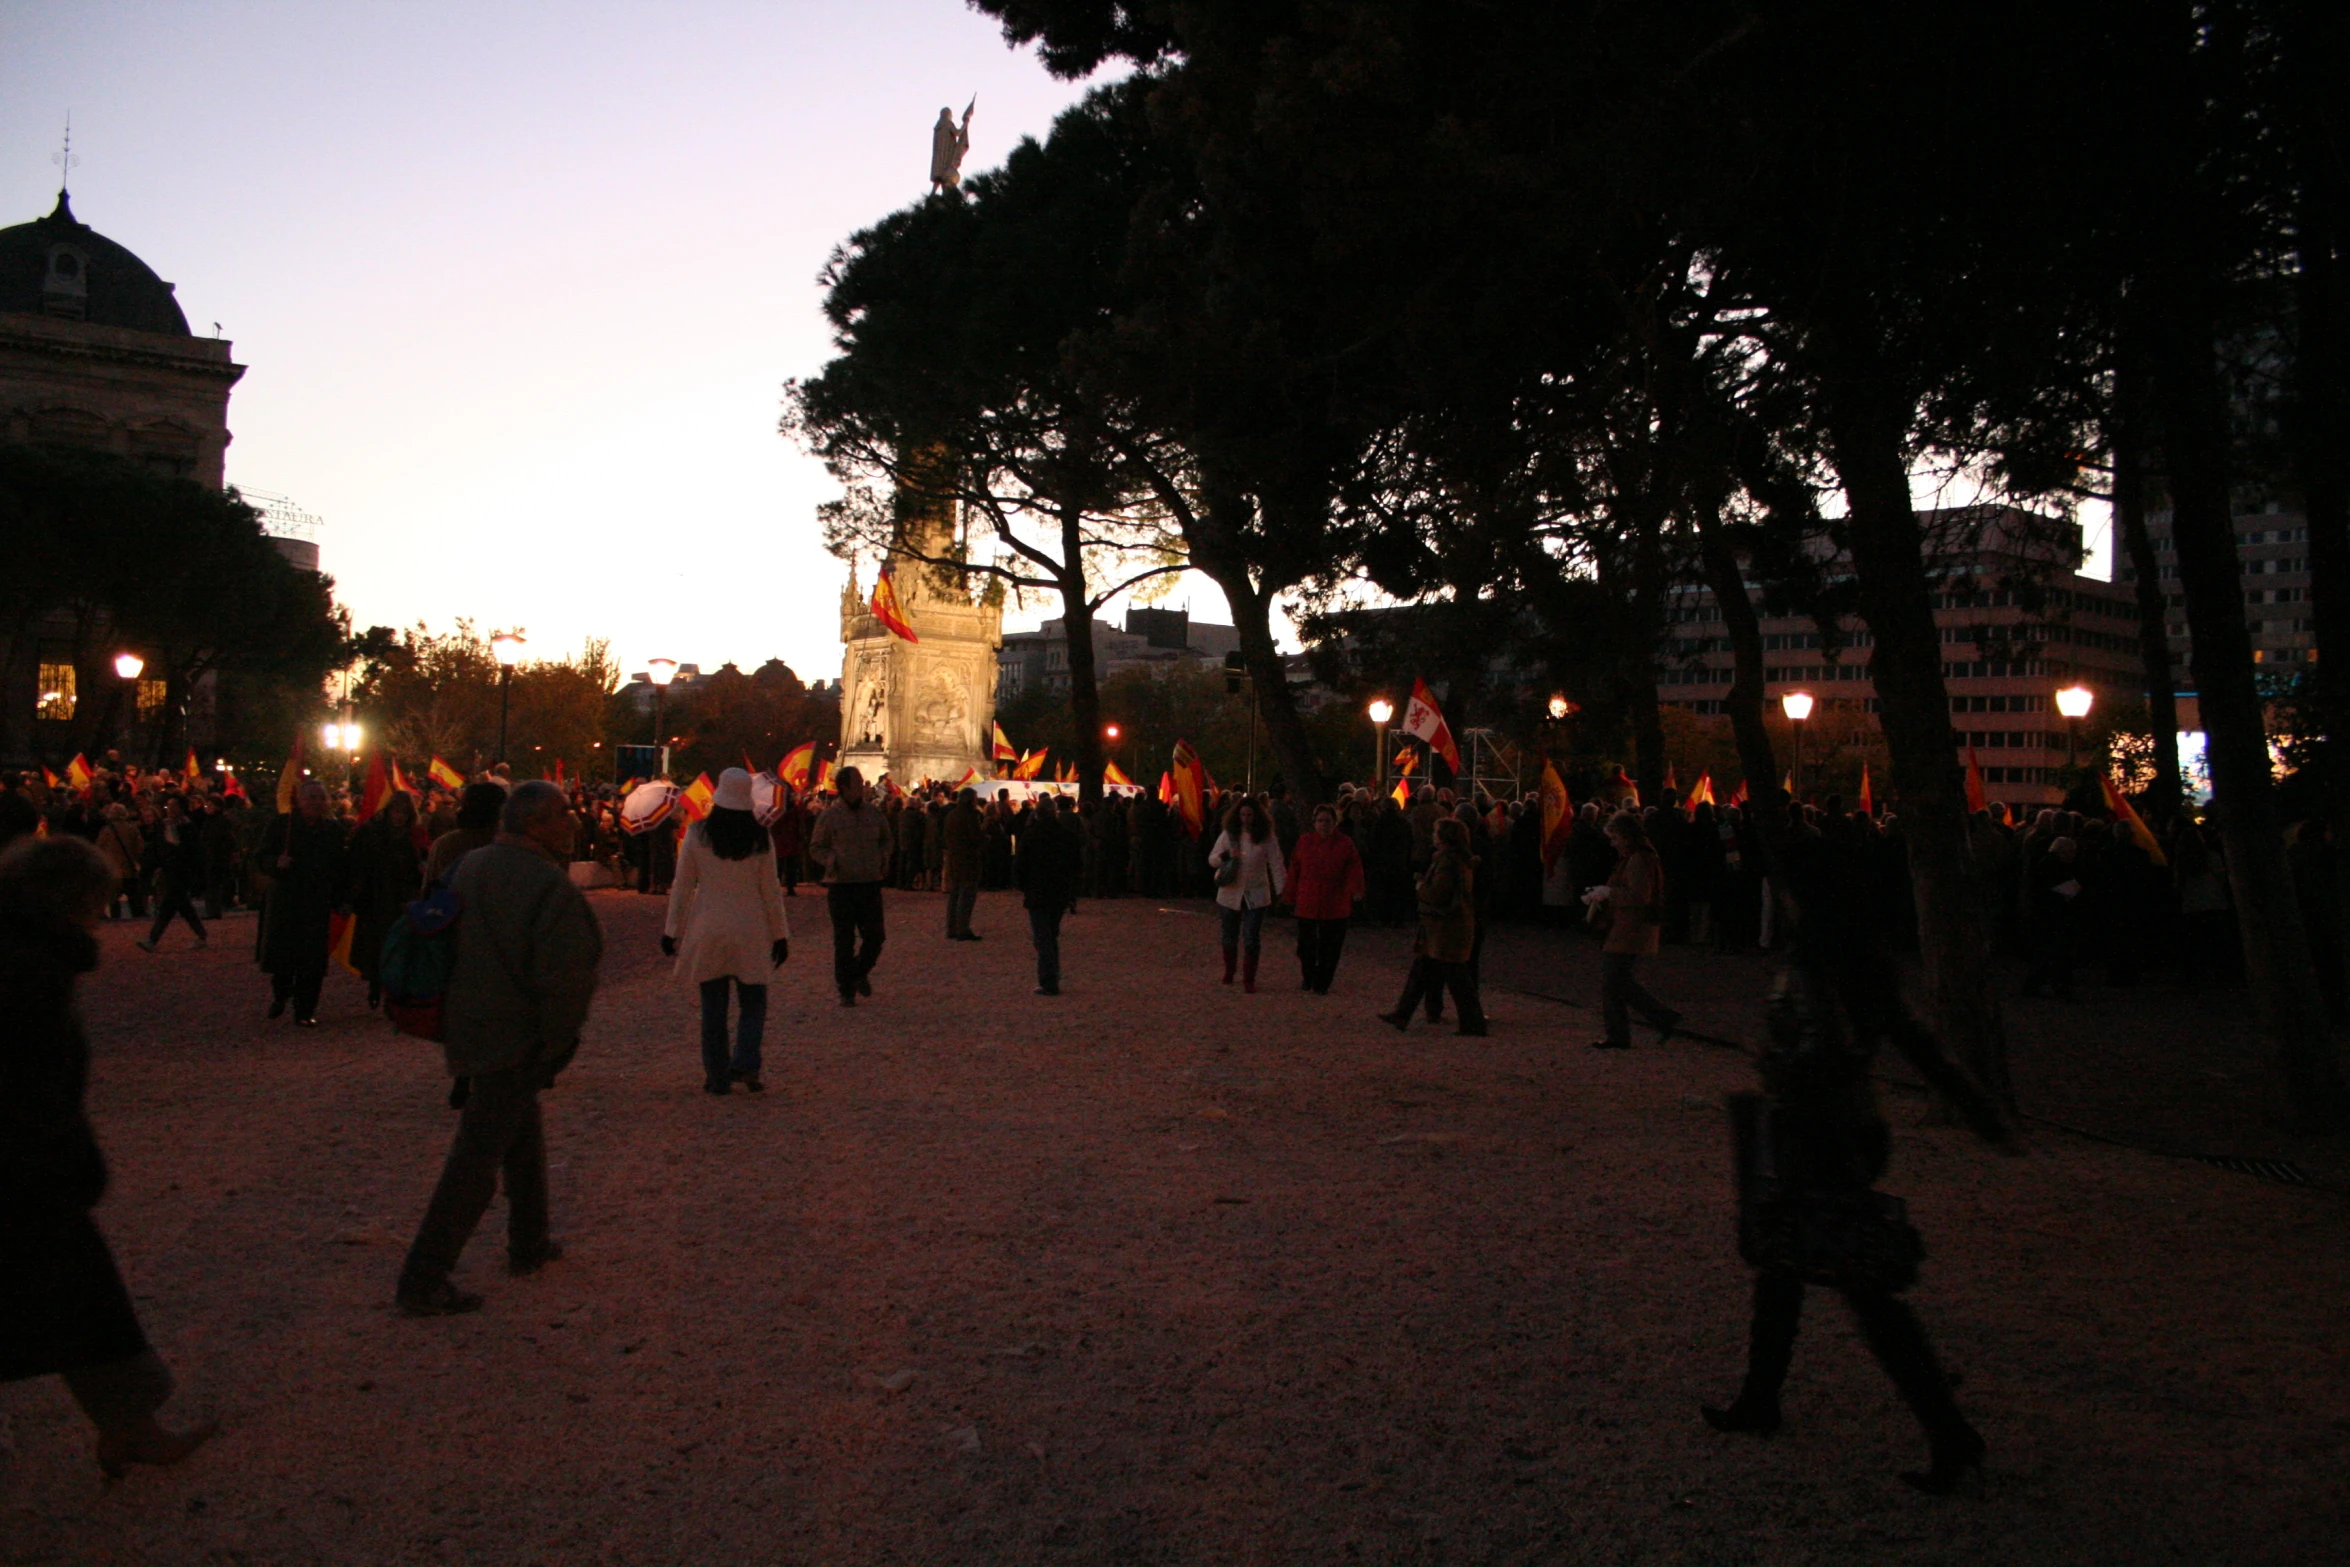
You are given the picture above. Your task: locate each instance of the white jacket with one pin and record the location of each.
(725, 914)
(1262, 875)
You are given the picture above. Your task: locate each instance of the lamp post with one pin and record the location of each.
(343, 737)
(660, 671)
(508, 647)
(2074, 703)
(126, 669)
(1797, 706)
(1380, 710)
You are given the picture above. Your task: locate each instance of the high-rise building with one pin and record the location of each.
(2273, 546)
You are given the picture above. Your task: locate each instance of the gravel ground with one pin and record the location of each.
(1160, 1272)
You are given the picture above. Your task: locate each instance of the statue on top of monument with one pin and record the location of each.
(948, 143)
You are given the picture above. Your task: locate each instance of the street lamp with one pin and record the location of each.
(1381, 710)
(1560, 707)
(1797, 706)
(508, 648)
(128, 665)
(660, 671)
(2074, 703)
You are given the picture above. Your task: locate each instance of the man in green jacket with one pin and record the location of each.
(527, 951)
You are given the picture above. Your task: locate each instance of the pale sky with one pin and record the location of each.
(519, 284)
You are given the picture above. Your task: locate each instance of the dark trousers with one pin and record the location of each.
(717, 1070)
(174, 900)
(1887, 1326)
(1620, 992)
(1427, 981)
(1044, 928)
(960, 902)
(303, 988)
(497, 1131)
(857, 935)
(1319, 945)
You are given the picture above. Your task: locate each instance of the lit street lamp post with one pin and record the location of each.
(660, 671)
(508, 646)
(2074, 703)
(1381, 710)
(1797, 706)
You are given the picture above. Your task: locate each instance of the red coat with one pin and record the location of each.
(1325, 876)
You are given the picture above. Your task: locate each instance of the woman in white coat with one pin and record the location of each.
(726, 923)
(1249, 877)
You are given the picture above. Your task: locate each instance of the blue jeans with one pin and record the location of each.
(1044, 928)
(1243, 928)
(749, 1026)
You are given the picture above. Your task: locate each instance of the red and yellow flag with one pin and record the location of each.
(1403, 792)
(1166, 788)
(1424, 720)
(1976, 799)
(793, 769)
(697, 797)
(289, 778)
(1000, 748)
(79, 775)
(193, 773)
(378, 790)
(827, 772)
(50, 778)
(1032, 763)
(1558, 814)
(1405, 760)
(1065, 773)
(1191, 788)
(1670, 782)
(1868, 800)
(339, 928)
(1703, 793)
(235, 789)
(400, 780)
(2117, 805)
(1112, 773)
(1738, 795)
(970, 778)
(446, 776)
(1625, 787)
(885, 607)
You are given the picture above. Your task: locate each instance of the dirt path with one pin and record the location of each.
(1156, 1272)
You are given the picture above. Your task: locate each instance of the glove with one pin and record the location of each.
(779, 952)
(669, 946)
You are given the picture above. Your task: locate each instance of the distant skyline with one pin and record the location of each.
(519, 285)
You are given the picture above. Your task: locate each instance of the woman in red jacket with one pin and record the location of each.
(1325, 879)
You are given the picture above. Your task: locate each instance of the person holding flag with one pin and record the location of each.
(301, 864)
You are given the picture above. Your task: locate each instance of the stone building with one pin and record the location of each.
(923, 709)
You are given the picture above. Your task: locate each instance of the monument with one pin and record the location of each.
(947, 148)
(919, 709)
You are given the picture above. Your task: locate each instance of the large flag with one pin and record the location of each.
(192, 772)
(1558, 814)
(1424, 720)
(446, 776)
(1000, 749)
(827, 772)
(885, 607)
(1032, 763)
(1868, 800)
(1191, 784)
(793, 769)
(1112, 773)
(378, 790)
(79, 774)
(1976, 799)
(697, 797)
(2117, 805)
(289, 778)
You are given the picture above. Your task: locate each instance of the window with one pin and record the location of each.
(56, 697)
(152, 695)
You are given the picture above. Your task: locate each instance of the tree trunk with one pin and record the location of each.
(1867, 429)
(1085, 692)
(1755, 757)
(1213, 550)
(2129, 526)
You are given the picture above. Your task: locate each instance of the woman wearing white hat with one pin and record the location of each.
(726, 923)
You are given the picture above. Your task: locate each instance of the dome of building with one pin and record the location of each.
(59, 266)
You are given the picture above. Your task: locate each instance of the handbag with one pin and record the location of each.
(1228, 873)
(1843, 1237)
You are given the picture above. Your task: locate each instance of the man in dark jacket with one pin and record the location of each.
(1050, 861)
(302, 857)
(966, 839)
(527, 952)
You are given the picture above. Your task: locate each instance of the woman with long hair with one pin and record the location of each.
(1326, 882)
(1633, 906)
(63, 1307)
(727, 925)
(1448, 933)
(1249, 876)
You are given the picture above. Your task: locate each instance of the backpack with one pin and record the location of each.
(419, 952)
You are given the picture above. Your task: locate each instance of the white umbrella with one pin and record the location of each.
(648, 805)
(768, 798)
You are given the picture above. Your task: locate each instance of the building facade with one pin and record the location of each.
(1039, 660)
(922, 709)
(2273, 545)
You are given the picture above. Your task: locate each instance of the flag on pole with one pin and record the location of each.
(1868, 800)
(50, 778)
(78, 773)
(1000, 748)
(885, 607)
(378, 788)
(1403, 792)
(1065, 773)
(1976, 799)
(1112, 773)
(1424, 720)
(446, 776)
(970, 777)
(826, 772)
(1031, 763)
(1190, 779)
(697, 797)
(1406, 759)
(191, 771)
(2117, 805)
(289, 777)
(400, 780)
(793, 769)
(1558, 814)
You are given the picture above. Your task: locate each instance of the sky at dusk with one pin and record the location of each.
(519, 284)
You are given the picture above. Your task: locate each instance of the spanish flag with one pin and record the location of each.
(970, 777)
(793, 769)
(1166, 788)
(1868, 800)
(884, 605)
(697, 797)
(1113, 774)
(2117, 805)
(1670, 783)
(193, 773)
(1191, 800)
(378, 790)
(400, 780)
(1405, 760)
(1976, 799)
(1703, 794)
(1032, 764)
(289, 777)
(50, 778)
(825, 771)
(1001, 750)
(1065, 773)
(1558, 814)
(1403, 792)
(446, 776)
(79, 775)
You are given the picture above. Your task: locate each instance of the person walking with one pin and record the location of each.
(1051, 860)
(179, 873)
(1249, 876)
(1633, 906)
(852, 841)
(302, 855)
(528, 948)
(727, 926)
(64, 1310)
(965, 835)
(1441, 954)
(1325, 882)
(385, 872)
(125, 848)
